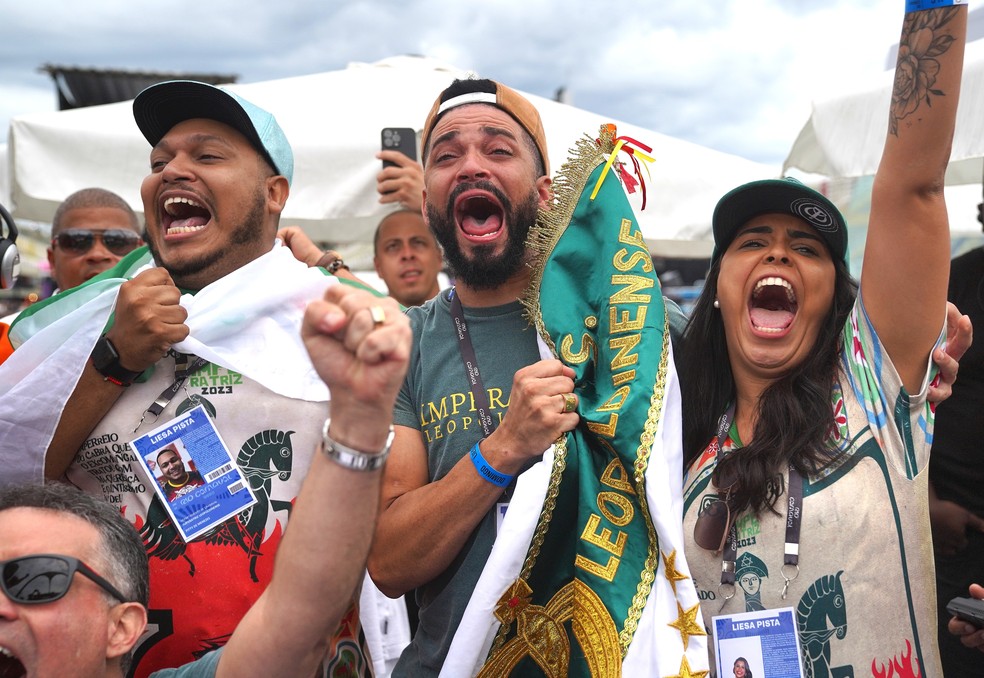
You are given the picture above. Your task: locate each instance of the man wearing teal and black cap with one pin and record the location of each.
(209, 316)
(159, 108)
(199, 133)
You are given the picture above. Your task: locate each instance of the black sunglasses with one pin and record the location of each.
(46, 577)
(119, 241)
(714, 521)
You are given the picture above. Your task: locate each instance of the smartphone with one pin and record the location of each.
(969, 610)
(402, 139)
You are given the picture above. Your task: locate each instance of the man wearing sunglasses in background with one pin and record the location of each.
(53, 623)
(91, 230)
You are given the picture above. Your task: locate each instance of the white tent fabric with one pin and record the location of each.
(333, 121)
(843, 139)
(845, 135)
(4, 177)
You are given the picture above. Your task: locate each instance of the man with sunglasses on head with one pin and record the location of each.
(54, 623)
(203, 323)
(91, 230)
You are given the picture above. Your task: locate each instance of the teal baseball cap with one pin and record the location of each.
(783, 196)
(160, 107)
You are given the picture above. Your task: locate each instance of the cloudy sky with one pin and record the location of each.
(735, 76)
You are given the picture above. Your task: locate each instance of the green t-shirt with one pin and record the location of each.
(436, 400)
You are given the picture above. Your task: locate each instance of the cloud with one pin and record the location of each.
(736, 76)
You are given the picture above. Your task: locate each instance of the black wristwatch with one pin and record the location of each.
(106, 360)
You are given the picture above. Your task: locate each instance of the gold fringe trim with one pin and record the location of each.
(646, 441)
(551, 222)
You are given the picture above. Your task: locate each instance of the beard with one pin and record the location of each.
(210, 266)
(485, 270)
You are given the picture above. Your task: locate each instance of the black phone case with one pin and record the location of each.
(970, 610)
(402, 139)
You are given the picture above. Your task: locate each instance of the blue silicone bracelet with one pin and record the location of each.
(486, 471)
(919, 5)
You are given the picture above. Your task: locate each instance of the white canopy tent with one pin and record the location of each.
(4, 178)
(844, 136)
(333, 120)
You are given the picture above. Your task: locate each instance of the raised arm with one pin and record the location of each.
(305, 251)
(323, 553)
(907, 255)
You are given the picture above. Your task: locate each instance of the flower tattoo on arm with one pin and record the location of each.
(922, 41)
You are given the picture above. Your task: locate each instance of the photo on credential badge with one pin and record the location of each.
(174, 470)
(758, 645)
(193, 473)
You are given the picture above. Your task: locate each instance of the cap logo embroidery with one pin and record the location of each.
(813, 212)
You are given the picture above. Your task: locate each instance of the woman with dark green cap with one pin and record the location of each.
(806, 425)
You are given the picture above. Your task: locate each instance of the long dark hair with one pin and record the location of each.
(795, 416)
(748, 671)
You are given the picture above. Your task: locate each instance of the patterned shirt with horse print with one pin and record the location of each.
(864, 597)
(200, 590)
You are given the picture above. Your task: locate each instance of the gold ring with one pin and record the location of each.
(570, 402)
(378, 315)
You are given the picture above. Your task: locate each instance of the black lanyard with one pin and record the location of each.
(794, 521)
(470, 360)
(184, 366)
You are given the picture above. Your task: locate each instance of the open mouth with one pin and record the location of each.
(479, 217)
(773, 305)
(184, 215)
(10, 666)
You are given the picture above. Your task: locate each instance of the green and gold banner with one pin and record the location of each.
(596, 302)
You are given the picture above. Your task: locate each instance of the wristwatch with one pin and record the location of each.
(106, 360)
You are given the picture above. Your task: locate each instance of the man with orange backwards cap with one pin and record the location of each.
(486, 174)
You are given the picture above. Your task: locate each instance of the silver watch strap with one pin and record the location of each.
(350, 458)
